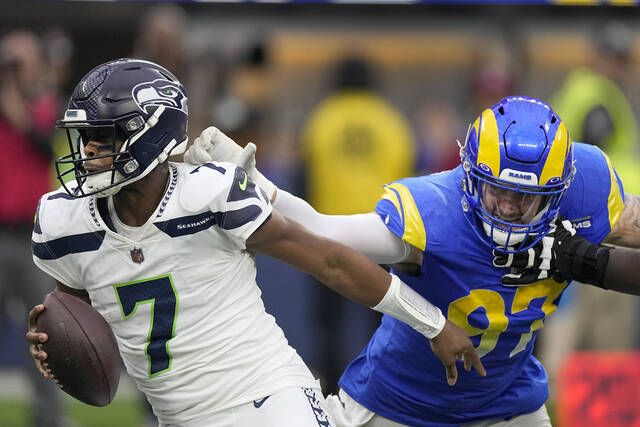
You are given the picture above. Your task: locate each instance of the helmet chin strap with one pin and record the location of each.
(502, 237)
(102, 181)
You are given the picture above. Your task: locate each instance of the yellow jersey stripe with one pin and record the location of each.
(488, 141)
(615, 202)
(393, 198)
(414, 231)
(554, 165)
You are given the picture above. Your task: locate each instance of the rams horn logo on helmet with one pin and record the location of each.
(159, 92)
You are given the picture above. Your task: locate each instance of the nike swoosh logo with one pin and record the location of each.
(258, 403)
(243, 184)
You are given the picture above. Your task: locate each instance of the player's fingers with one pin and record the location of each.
(452, 373)
(247, 155)
(500, 261)
(467, 363)
(474, 360)
(512, 279)
(33, 315)
(36, 337)
(37, 353)
(43, 369)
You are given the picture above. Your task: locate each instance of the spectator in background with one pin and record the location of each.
(28, 110)
(491, 81)
(161, 38)
(437, 127)
(595, 108)
(352, 144)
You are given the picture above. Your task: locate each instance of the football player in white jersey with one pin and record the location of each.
(164, 251)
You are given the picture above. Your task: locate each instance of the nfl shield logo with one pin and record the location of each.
(136, 255)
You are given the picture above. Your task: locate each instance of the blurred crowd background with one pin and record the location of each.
(339, 99)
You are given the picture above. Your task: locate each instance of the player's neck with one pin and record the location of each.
(136, 202)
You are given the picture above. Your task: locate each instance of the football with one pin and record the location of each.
(82, 352)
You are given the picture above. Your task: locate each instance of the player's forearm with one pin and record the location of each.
(616, 269)
(623, 271)
(363, 232)
(353, 276)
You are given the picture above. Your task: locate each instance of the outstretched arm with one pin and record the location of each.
(363, 232)
(356, 277)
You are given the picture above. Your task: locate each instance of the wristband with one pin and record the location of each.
(577, 259)
(408, 306)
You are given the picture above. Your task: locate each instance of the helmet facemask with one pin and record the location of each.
(114, 144)
(514, 216)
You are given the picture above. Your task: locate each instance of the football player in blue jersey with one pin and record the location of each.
(491, 243)
(164, 251)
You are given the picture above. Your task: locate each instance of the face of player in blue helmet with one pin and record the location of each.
(518, 162)
(123, 119)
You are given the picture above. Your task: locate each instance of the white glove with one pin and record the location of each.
(213, 145)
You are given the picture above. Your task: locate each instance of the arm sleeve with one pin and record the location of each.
(363, 232)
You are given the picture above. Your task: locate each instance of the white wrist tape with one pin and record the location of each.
(410, 307)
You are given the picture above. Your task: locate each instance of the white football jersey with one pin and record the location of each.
(179, 292)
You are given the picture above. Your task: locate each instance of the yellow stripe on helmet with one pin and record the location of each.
(615, 202)
(414, 232)
(554, 165)
(486, 128)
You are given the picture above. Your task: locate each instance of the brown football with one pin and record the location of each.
(82, 352)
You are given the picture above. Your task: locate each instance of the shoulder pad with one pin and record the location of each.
(205, 183)
(58, 213)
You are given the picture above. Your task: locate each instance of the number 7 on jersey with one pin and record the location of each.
(161, 294)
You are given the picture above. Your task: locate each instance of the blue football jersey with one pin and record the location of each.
(398, 376)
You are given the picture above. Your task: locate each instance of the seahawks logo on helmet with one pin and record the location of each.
(160, 92)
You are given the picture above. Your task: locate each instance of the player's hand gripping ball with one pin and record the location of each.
(82, 352)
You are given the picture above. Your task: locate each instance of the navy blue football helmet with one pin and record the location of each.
(518, 163)
(139, 108)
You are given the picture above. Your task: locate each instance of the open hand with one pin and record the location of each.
(453, 344)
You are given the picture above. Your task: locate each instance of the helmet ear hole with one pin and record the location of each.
(501, 110)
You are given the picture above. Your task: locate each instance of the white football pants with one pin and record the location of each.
(291, 407)
(349, 413)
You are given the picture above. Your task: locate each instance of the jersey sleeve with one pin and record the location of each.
(50, 251)
(399, 212)
(242, 208)
(595, 199)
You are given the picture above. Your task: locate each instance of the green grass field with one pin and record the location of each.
(123, 413)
